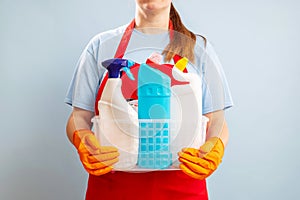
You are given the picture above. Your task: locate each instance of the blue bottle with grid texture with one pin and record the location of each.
(154, 92)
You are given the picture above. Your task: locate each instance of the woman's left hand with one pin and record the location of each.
(201, 163)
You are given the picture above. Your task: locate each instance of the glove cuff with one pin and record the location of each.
(219, 146)
(216, 144)
(78, 135)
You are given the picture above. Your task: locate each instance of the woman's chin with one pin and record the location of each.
(154, 6)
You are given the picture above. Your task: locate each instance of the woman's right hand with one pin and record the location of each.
(96, 159)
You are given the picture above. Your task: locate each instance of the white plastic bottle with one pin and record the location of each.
(117, 124)
(187, 122)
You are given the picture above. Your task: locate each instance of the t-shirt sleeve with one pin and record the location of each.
(85, 81)
(215, 89)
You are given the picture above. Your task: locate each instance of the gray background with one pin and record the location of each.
(257, 42)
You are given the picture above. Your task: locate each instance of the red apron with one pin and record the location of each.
(158, 185)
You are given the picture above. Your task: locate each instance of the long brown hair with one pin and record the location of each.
(184, 40)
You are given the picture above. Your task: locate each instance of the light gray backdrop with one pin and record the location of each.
(257, 42)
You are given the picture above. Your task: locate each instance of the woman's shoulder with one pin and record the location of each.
(99, 39)
(204, 44)
(201, 41)
(108, 34)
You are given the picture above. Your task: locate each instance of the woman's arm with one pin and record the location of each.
(217, 126)
(79, 119)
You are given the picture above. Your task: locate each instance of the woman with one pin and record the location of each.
(196, 164)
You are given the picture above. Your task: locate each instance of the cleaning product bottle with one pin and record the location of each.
(189, 126)
(117, 123)
(154, 115)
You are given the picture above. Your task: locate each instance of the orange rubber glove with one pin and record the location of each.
(96, 159)
(201, 163)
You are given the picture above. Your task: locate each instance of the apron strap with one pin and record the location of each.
(125, 40)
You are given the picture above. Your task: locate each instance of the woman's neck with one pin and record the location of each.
(152, 23)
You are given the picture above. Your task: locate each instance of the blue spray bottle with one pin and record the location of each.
(154, 92)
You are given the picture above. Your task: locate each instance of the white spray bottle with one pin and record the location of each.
(117, 123)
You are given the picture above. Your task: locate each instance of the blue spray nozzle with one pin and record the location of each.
(128, 73)
(114, 67)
